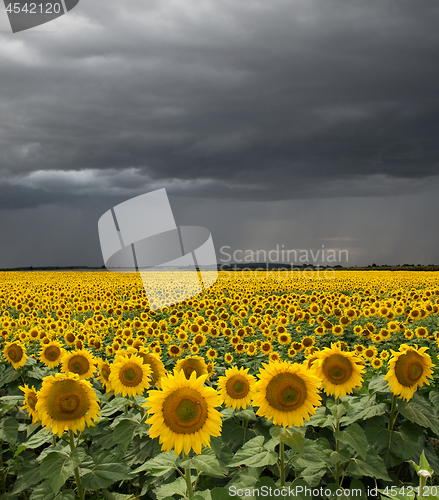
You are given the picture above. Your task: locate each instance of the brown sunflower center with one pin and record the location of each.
(337, 369)
(131, 375)
(67, 400)
(237, 387)
(192, 365)
(78, 364)
(185, 411)
(409, 368)
(286, 392)
(15, 352)
(52, 352)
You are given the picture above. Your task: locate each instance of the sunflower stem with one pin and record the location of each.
(337, 446)
(392, 417)
(282, 464)
(77, 475)
(244, 425)
(187, 475)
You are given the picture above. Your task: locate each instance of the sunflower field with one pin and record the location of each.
(266, 386)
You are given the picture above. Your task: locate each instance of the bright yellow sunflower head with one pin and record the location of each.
(183, 413)
(237, 388)
(192, 364)
(408, 370)
(129, 376)
(30, 401)
(66, 403)
(15, 353)
(79, 362)
(286, 392)
(339, 371)
(51, 354)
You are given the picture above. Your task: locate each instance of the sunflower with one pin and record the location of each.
(339, 371)
(408, 370)
(266, 347)
(211, 354)
(129, 376)
(104, 370)
(384, 355)
(337, 330)
(284, 338)
(30, 401)
(292, 352)
(51, 354)
(286, 392)
(308, 342)
(370, 353)
(237, 388)
(408, 334)
(158, 369)
(377, 363)
(421, 332)
(14, 353)
(80, 362)
(228, 358)
(192, 364)
(174, 351)
(183, 413)
(66, 403)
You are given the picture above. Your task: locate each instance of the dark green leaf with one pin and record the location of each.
(38, 439)
(337, 410)
(57, 467)
(378, 384)
(123, 433)
(159, 465)
(177, 487)
(9, 375)
(205, 462)
(117, 404)
(293, 437)
(254, 454)
(355, 437)
(28, 476)
(419, 411)
(373, 466)
(106, 470)
(9, 430)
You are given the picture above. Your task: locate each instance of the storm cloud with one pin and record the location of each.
(239, 109)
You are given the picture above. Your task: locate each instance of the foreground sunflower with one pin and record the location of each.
(51, 354)
(192, 364)
(15, 353)
(30, 401)
(80, 362)
(408, 370)
(66, 403)
(237, 388)
(340, 371)
(183, 413)
(129, 376)
(286, 392)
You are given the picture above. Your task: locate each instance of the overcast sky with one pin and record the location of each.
(299, 123)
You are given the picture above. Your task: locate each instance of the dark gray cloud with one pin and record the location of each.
(248, 102)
